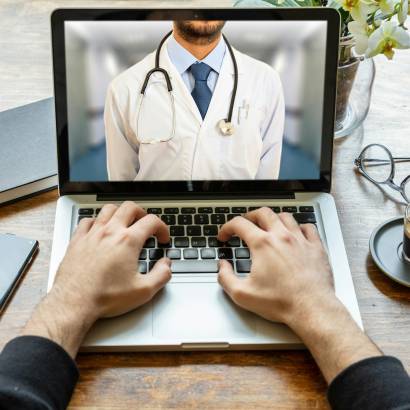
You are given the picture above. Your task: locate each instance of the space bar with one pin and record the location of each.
(186, 266)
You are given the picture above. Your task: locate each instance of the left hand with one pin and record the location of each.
(98, 276)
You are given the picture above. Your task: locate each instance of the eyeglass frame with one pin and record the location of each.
(389, 180)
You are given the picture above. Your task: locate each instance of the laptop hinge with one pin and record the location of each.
(107, 197)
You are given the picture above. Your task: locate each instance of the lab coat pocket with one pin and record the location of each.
(244, 148)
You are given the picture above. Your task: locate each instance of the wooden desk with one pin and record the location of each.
(240, 380)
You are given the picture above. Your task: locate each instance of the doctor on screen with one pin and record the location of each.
(205, 112)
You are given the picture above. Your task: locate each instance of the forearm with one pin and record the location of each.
(61, 320)
(333, 337)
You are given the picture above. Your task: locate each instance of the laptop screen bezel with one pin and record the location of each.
(195, 188)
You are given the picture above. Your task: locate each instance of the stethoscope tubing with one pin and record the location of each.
(158, 68)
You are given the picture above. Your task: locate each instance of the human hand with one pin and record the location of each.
(290, 269)
(291, 282)
(98, 276)
(100, 268)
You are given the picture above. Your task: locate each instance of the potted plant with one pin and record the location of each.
(368, 28)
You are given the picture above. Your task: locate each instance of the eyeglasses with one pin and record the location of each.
(377, 164)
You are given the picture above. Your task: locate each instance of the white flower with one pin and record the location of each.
(404, 10)
(387, 6)
(358, 9)
(387, 37)
(361, 32)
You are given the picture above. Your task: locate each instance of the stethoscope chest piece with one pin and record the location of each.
(226, 127)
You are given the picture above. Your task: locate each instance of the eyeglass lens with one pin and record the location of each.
(377, 163)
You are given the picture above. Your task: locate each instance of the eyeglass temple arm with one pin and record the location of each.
(401, 159)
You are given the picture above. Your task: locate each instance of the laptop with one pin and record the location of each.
(279, 155)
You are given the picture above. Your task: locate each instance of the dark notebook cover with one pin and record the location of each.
(27, 144)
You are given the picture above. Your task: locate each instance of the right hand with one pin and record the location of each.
(290, 269)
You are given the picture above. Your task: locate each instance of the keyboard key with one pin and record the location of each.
(222, 210)
(156, 211)
(208, 253)
(243, 266)
(169, 219)
(225, 253)
(218, 219)
(194, 266)
(188, 210)
(242, 253)
(213, 242)
(177, 230)
(290, 209)
(201, 219)
(234, 241)
(275, 209)
(184, 219)
(239, 209)
(171, 211)
(142, 267)
(165, 245)
(190, 253)
(305, 218)
(82, 217)
(150, 243)
(86, 211)
(143, 254)
(306, 209)
(194, 230)
(210, 230)
(155, 254)
(151, 264)
(253, 208)
(198, 242)
(231, 216)
(181, 242)
(174, 253)
(205, 210)
(97, 211)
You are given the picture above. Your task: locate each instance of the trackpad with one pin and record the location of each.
(199, 311)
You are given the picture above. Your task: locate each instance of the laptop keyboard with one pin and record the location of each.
(194, 247)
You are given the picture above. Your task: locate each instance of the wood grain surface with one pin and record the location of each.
(217, 380)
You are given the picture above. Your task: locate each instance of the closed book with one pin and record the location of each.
(28, 156)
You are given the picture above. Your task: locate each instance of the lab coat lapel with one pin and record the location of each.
(180, 90)
(219, 106)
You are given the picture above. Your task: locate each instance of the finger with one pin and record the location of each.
(290, 223)
(105, 214)
(83, 228)
(310, 232)
(127, 214)
(241, 227)
(228, 280)
(158, 276)
(264, 217)
(150, 225)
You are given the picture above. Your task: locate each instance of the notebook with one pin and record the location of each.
(28, 163)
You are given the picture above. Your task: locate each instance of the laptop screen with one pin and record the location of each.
(230, 100)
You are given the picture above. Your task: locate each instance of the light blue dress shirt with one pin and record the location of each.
(183, 59)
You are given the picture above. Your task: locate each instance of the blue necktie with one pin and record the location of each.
(201, 93)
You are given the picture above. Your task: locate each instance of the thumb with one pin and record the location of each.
(227, 278)
(159, 275)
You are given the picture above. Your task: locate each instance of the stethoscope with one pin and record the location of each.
(225, 125)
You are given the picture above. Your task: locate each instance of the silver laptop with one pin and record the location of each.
(197, 115)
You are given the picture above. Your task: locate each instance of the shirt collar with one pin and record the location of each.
(183, 59)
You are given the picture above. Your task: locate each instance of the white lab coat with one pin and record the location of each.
(198, 150)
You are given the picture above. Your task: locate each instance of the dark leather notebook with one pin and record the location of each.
(28, 154)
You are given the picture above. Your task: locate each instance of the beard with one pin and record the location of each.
(199, 32)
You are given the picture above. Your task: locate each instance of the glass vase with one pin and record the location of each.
(355, 79)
